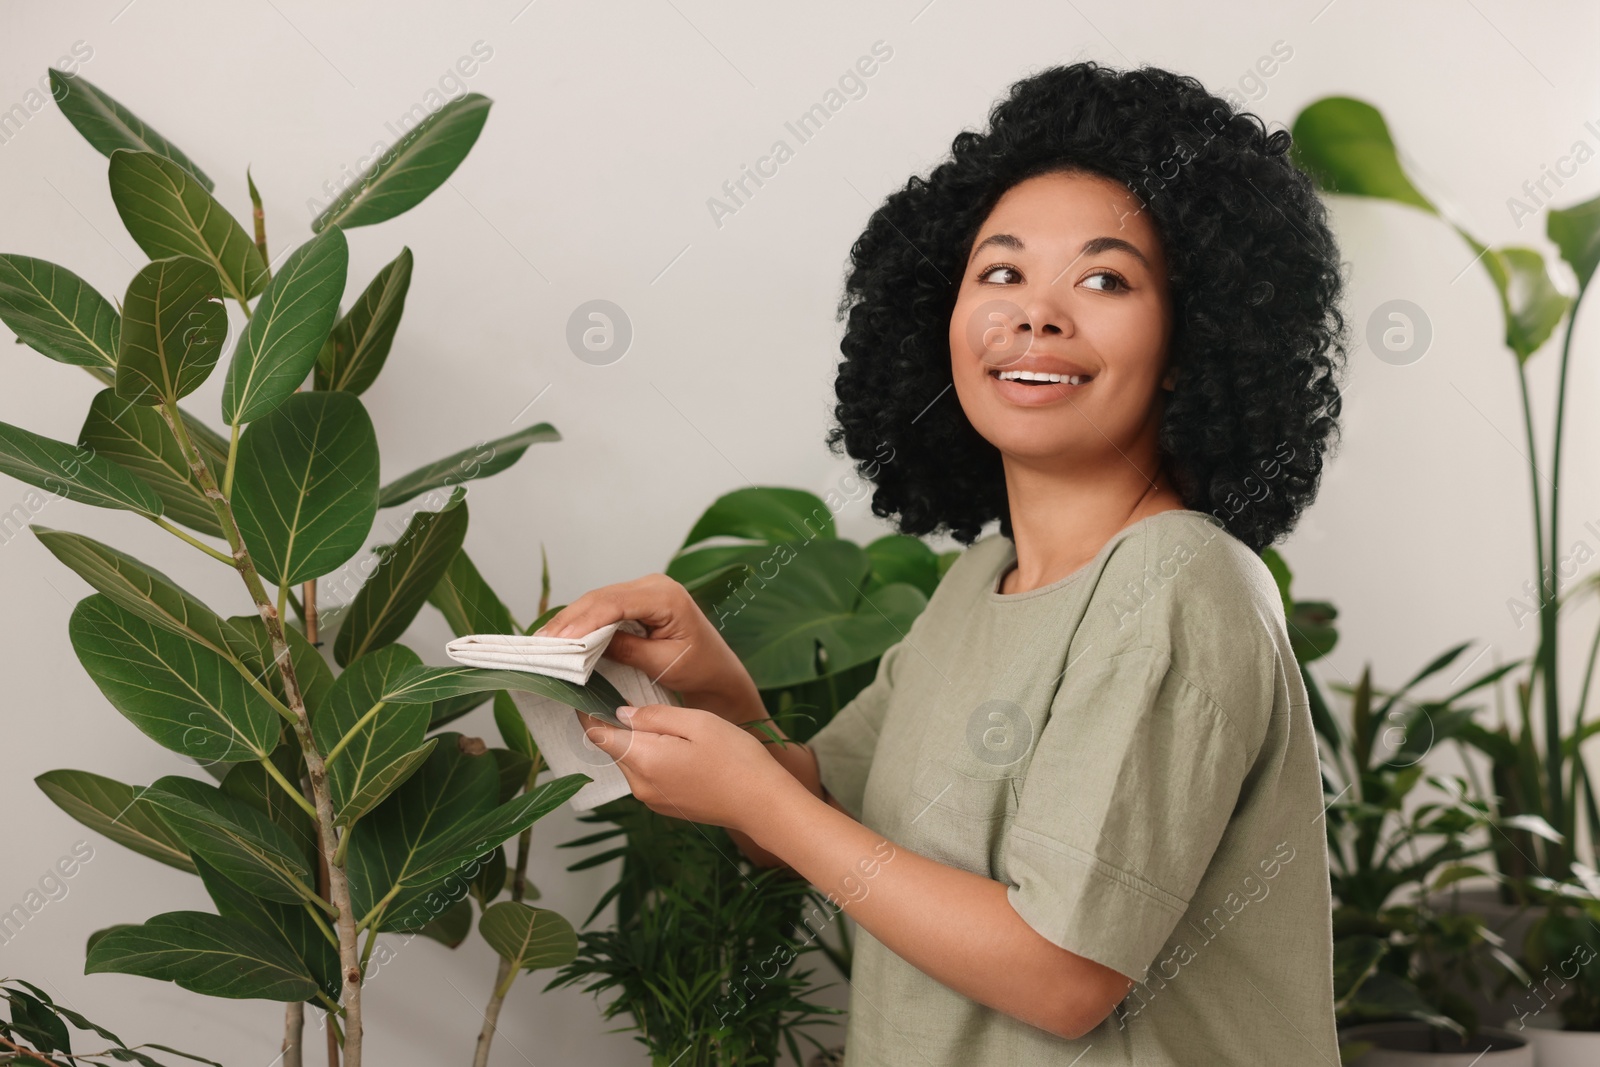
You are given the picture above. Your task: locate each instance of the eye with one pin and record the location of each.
(983, 275)
(1109, 274)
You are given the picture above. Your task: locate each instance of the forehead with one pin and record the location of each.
(1059, 212)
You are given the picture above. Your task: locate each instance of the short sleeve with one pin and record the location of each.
(1132, 783)
(845, 746)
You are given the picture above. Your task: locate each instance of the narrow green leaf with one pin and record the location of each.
(57, 313)
(169, 213)
(204, 953)
(305, 490)
(144, 591)
(383, 750)
(287, 328)
(118, 811)
(108, 126)
(173, 326)
(479, 461)
(404, 577)
(403, 176)
(356, 350)
(137, 439)
(527, 937)
(233, 837)
(180, 693)
(468, 604)
(73, 472)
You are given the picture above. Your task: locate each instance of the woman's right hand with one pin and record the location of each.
(683, 650)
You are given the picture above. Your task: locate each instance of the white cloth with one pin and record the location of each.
(555, 728)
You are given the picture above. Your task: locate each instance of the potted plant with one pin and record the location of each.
(1398, 957)
(706, 950)
(1540, 788)
(340, 813)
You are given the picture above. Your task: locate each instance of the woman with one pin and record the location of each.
(1077, 814)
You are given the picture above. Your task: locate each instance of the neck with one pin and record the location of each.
(1060, 519)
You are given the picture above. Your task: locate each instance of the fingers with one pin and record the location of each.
(649, 599)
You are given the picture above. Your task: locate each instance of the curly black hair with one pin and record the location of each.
(1254, 274)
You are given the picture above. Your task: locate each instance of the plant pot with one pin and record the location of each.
(1410, 1044)
(1555, 1047)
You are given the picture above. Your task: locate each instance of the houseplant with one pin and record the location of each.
(705, 949)
(1545, 858)
(1397, 957)
(341, 808)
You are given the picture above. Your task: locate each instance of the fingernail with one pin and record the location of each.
(625, 713)
(595, 734)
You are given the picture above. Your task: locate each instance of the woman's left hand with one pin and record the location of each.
(691, 764)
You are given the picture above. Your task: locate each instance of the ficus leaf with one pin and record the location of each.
(57, 313)
(204, 953)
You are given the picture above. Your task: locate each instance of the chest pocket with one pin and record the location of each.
(958, 816)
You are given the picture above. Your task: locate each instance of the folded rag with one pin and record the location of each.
(554, 725)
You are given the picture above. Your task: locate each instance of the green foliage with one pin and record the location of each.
(39, 1024)
(287, 495)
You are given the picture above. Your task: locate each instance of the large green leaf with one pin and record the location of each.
(899, 558)
(513, 730)
(73, 472)
(356, 350)
(204, 953)
(1575, 231)
(182, 694)
(528, 938)
(812, 617)
(1530, 302)
(448, 793)
(405, 575)
(305, 489)
(119, 811)
(402, 177)
(233, 837)
(310, 669)
(449, 852)
(252, 784)
(137, 438)
(479, 461)
(287, 328)
(289, 925)
(173, 326)
(764, 513)
(1344, 144)
(598, 697)
(108, 126)
(385, 739)
(144, 591)
(169, 213)
(53, 311)
(467, 602)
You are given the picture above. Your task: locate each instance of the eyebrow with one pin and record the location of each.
(1092, 247)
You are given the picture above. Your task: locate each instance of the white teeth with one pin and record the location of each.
(1035, 376)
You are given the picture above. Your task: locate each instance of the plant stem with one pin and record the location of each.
(506, 974)
(294, 1022)
(338, 884)
(233, 454)
(201, 545)
(294, 794)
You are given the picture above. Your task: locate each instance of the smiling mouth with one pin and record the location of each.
(1035, 378)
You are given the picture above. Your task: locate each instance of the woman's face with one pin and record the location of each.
(1066, 277)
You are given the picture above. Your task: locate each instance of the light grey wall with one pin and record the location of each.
(614, 126)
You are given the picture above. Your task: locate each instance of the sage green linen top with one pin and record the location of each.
(1129, 750)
